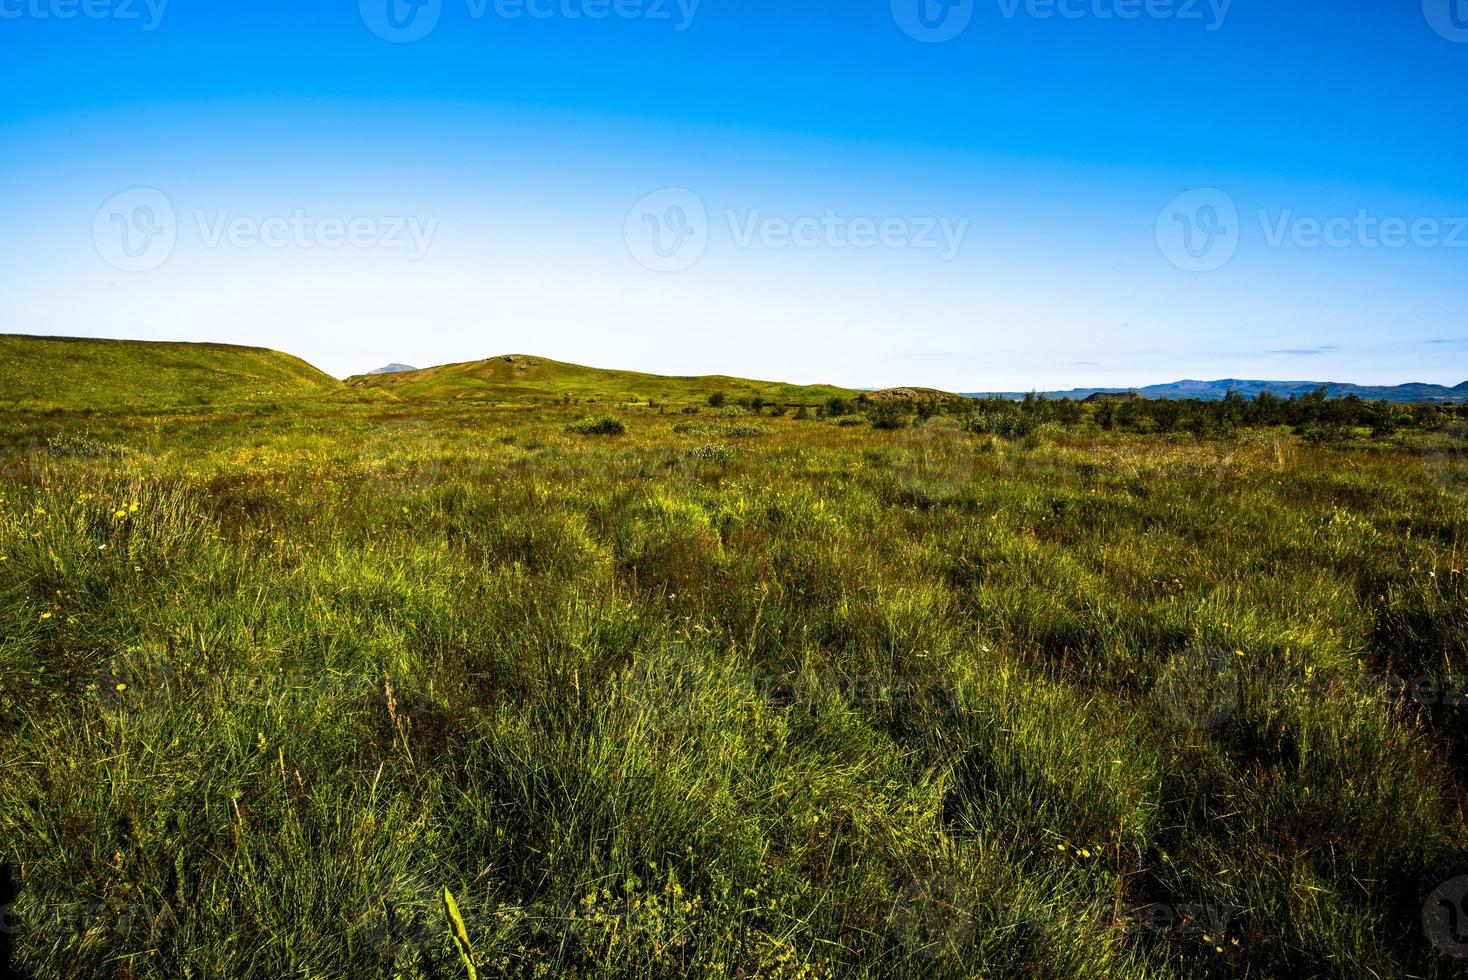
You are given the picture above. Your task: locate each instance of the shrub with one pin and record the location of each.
(888, 415)
(837, 406)
(601, 425)
(1005, 424)
(711, 452)
(1326, 434)
(717, 399)
(82, 445)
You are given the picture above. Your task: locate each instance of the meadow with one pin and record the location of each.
(723, 694)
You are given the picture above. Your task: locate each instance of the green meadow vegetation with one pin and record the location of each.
(65, 373)
(385, 681)
(521, 378)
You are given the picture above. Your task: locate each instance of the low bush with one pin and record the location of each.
(601, 425)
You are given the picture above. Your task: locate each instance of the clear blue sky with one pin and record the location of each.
(508, 173)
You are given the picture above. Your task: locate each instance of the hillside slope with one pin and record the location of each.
(522, 377)
(42, 373)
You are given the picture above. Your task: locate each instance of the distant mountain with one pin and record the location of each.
(393, 369)
(1215, 390)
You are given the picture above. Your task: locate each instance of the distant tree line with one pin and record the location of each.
(1315, 415)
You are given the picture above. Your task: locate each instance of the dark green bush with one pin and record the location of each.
(889, 415)
(601, 425)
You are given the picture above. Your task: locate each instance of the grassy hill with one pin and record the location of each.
(522, 377)
(44, 373)
(69, 374)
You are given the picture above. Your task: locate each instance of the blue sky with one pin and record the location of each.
(1022, 193)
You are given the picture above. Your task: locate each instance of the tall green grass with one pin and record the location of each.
(838, 702)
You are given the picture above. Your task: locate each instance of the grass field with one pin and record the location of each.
(725, 695)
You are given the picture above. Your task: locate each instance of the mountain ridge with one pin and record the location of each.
(1410, 392)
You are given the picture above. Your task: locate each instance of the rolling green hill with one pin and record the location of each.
(44, 373)
(522, 377)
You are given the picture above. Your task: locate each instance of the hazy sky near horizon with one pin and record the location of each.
(972, 195)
